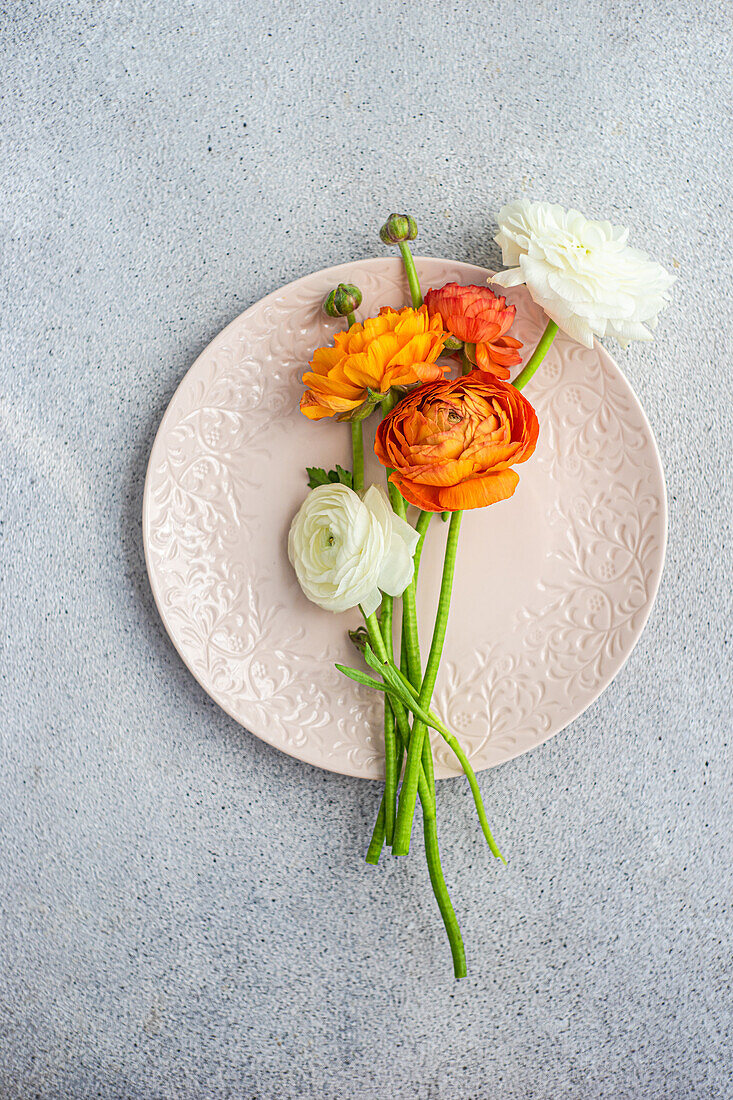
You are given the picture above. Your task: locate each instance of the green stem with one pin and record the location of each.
(396, 499)
(390, 772)
(447, 912)
(357, 448)
(390, 713)
(537, 356)
(350, 319)
(467, 364)
(403, 648)
(402, 737)
(386, 623)
(379, 647)
(409, 607)
(435, 869)
(396, 685)
(376, 844)
(378, 834)
(408, 795)
(390, 746)
(434, 722)
(430, 822)
(411, 272)
(426, 788)
(423, 522)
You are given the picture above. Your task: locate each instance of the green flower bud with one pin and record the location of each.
(398, 227)
(344, 299)
(360, 638)
(453, 344)
(362, 411)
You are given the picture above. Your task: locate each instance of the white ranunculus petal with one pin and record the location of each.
(371, 601)
(400, 542)
(377, 501)
(344, 549)
(406, 532)
(582, 273)
(397, 568)
(378, 504)
(511, 276)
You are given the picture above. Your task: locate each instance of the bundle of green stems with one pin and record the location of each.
(408, 687)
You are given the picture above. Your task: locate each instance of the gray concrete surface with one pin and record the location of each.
(185, 912)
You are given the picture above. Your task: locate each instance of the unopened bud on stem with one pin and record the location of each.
(360, 638)
(343, 300)
(398, 227)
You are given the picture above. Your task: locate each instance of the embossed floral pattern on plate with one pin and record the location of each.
(553, 591)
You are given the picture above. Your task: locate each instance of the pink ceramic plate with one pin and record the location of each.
(553, 586)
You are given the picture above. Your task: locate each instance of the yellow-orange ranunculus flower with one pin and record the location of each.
(393, 349)
(451, 445)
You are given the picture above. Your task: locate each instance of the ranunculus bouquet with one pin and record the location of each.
(447, 444)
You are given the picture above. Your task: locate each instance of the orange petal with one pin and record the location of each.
(494, 456)
(422, 496)
(477, 492)
(364, 369)
(485, 362)
(324, 359)
(312, 408)
(317, 405)
(430, 372)
(442, 473)
(331, 385)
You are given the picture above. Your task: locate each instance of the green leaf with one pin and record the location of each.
(342, 476)
(395, 687)
(361, 677)
(318, 476)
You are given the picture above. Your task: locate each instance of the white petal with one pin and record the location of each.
(377, 501)
(397, 568)
(576, 328)
(406, 533)
(371, 601)
(511, 277)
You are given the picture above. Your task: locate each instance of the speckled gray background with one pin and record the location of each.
(185, 912)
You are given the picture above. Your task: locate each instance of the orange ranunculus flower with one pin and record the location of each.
(475, 315)
(451, 444)
(397, 348)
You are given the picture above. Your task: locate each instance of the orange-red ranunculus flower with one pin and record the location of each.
(451, 444)
(475, 315)
(393, 349)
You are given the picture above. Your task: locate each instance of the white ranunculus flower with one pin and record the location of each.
(583, 273)
(344, 549)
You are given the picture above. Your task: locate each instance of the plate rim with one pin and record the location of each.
(278, 291)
